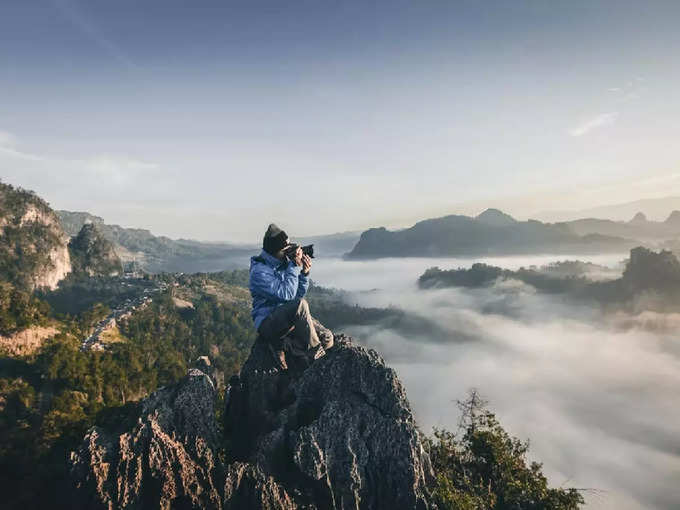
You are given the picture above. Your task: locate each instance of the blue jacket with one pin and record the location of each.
(273, 283)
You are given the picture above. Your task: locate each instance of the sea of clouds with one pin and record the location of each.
(596, 394)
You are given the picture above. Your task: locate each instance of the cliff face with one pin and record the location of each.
(33, 247)
(59, 260)
(337, 435)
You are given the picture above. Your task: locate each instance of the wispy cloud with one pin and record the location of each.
(112, 169)
(8, 146)
(118, 169)
(87, 27)
(601, 120)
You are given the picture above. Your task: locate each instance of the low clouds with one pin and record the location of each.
(599, 121)
(596, 394)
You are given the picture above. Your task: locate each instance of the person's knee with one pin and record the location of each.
(302, 305)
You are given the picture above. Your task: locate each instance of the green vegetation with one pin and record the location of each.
(25, 244)
(24, 252)
(48, 400)
(19, 309)
(481, 275)
(483, 467)
(77, 294)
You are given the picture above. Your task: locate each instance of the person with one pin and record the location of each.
(279, 279)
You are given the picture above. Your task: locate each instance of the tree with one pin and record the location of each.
(483, 467)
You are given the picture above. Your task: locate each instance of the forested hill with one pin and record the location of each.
(491, 233)
(650, 279)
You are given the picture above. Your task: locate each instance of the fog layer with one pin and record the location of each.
(597, 395)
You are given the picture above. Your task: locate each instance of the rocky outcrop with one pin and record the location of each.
(93, 254)
(50, 247)
(338, 434)
(166, 459)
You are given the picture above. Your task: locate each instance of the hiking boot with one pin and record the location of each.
(279, 358)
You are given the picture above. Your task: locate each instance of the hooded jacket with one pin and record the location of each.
(272, 283)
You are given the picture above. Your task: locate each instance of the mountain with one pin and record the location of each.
(330, 245)
(496, 218)
(142, 249)
(639, 227)
(92, 254)
(656, 208)
(491, 233)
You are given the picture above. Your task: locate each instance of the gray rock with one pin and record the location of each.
(246, 486)
(167, 459)
(338, 434)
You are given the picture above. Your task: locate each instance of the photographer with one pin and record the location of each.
(279, 278)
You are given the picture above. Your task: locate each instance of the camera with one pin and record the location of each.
(307, 250)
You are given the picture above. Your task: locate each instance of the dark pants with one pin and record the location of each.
(293, 321)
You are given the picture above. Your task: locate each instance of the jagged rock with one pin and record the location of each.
(167, 460)
(246, 486)
(339, 434)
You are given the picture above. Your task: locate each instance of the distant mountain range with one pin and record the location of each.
(141, 248)
(656, 208)
(491, 233)
(639, 227)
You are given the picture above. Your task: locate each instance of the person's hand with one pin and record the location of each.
(306, 263)
(297, 257)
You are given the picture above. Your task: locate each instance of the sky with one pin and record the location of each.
(210, 119)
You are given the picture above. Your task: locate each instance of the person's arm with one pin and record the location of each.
(282, 286)
(303, 285)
